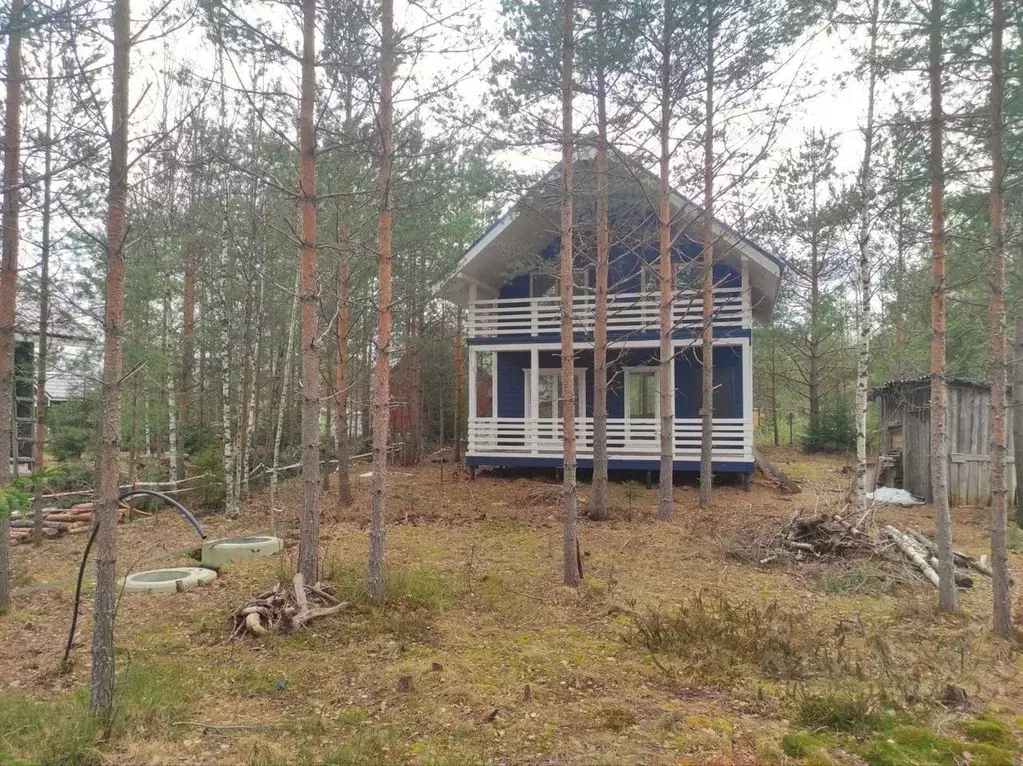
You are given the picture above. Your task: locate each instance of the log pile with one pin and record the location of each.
(284, 609)
(834, 536)
(58, 522)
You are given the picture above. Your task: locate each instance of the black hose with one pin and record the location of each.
(88, 547)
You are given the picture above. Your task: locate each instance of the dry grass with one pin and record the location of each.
(474, 618)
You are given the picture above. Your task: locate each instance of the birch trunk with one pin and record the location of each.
(250, 406)
(226, 426)
(947, 599)
(598, 509)
(187, 349)
(172, 422)
(8, 280)
(1001, 580)
(39, 454)
(376, 587)
(707, 291)
(102, 682)
(570, 557)
(282, 403)
(665, 393)
(863, 242)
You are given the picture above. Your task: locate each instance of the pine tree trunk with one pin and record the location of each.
(707, 291)
(1017, 420)
(665, 392)
(863, 242)
(1001, 578)
(939, 391)
(39, 455)
(8, 280)
(459, 382)
(309, 527)
(376, 587)
(570, 557)
(102, 684)
(598, 509)
(344, 291)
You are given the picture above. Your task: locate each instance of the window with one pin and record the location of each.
(549, 285)
(542, 286)
(648, 282)
(484, 383)
(688, 275)
(549, 402)
(641, 394)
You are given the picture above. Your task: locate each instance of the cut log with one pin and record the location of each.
(905, 544)
(254, 625)
(768, 467)
(60, 526)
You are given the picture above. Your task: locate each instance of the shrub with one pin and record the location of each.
(210, 491)
(73, 428)
(835, 429)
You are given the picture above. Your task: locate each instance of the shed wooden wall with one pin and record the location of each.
(968, 429)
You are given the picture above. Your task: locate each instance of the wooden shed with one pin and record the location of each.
(905, 422)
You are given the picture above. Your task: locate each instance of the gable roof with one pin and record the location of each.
(531, 223)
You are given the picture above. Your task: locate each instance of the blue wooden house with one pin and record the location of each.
(507, 281)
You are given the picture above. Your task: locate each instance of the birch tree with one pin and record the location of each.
(1001, 577)
(865, 182)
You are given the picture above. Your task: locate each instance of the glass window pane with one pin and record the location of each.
(484, 384)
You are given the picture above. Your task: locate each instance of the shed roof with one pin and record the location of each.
(961, 381)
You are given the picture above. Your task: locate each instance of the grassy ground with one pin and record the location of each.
(673, 650)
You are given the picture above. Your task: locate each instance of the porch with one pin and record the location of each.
(626, 313)
(510, 425)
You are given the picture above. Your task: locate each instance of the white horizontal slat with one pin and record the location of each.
(732, 438)
(626, 312)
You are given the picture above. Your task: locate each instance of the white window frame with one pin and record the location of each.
(629, 372)
(580, 381)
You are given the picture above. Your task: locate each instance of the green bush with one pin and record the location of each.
(73, 428)
(210, 491)
(835, 429)
(72, 476)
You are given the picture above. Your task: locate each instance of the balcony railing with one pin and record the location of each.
(626, 312)
(627, 439)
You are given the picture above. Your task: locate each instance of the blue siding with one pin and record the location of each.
(511, 400)
(689, 380)
(511, 394)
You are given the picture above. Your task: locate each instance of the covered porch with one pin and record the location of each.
(515, 415)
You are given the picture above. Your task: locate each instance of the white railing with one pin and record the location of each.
(626, 312)
(626, 439)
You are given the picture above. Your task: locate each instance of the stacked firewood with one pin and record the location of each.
(285, 609)
(834, 535)
(58, 522)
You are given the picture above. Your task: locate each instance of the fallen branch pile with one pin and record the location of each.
(832, 536)
(58, 522)
(284, 609)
